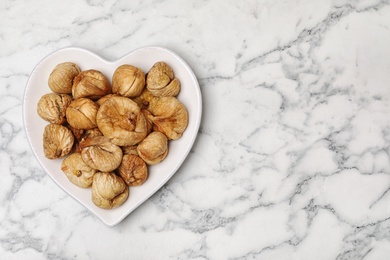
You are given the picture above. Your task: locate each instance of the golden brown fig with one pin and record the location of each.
(100, 101)
(109, 190)
(128, 81)
(146, 100)
(120, 120)
(99, 153)
(91, 133)
(57, 141)
(133, 170)
(90, 84)
(161, 82)
(132, 149)
(149, 124)
(77, 171)
(80, 135)
(61, 78)
(81, 113)
(154, 148)
(77, 133)
(52, 107)
(170, 117)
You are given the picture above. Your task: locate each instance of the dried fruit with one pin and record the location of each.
(108, 190)
(121, 120)
(146, 100)
(61, 78)
(154, 148)
(77, 171)
(81, 135)
(149, 124)
(160, 80)
(52, 107)
(111, 134)
(81, 113)
(77, 133)
(101, 100)
(57, 141)
(90, 84)
(99, 153)
(133, 170)
(91, 133)
(128, 81)
(132, 149)
(170, 117)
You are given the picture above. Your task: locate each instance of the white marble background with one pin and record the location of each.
(292, 159)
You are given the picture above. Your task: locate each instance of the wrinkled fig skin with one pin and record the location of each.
(77, 171)
(91, 133)
(90, 84)
(109, 190)
(82, 135)
(77, 133)
(52, 107)
(149, 124)
(120, 120)
(161, 82)
(146, 100)
(170, 117)
(57, 141)
(132, 149)
(99, 153)
(100, 101)
(128, 81)
(154, 148)
(133, 170)
(61, 78)
(81, 113)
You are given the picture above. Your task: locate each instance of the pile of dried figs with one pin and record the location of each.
(109, 134)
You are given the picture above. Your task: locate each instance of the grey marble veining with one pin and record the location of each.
(292, 157)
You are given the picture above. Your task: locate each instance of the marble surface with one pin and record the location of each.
(292, 157)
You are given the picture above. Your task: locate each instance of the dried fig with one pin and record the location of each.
(77, 133)
(61, 78)
(133, 170)
(101, 100)
(57, 141)
(154, 148)
(80, 135)
(77, 171)
(108, 190)
(90, 84)
(146, 100)
(99, 153)
(128, 81)
(91, 133)
(161, 82)
(120, 119)
(81, 113)
(170, 117)
(149, 124)
(52, 107)
(132, 149)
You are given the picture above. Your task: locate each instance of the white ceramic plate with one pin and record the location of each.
(159, 174)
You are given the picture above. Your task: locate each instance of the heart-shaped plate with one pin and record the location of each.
(159, 174)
